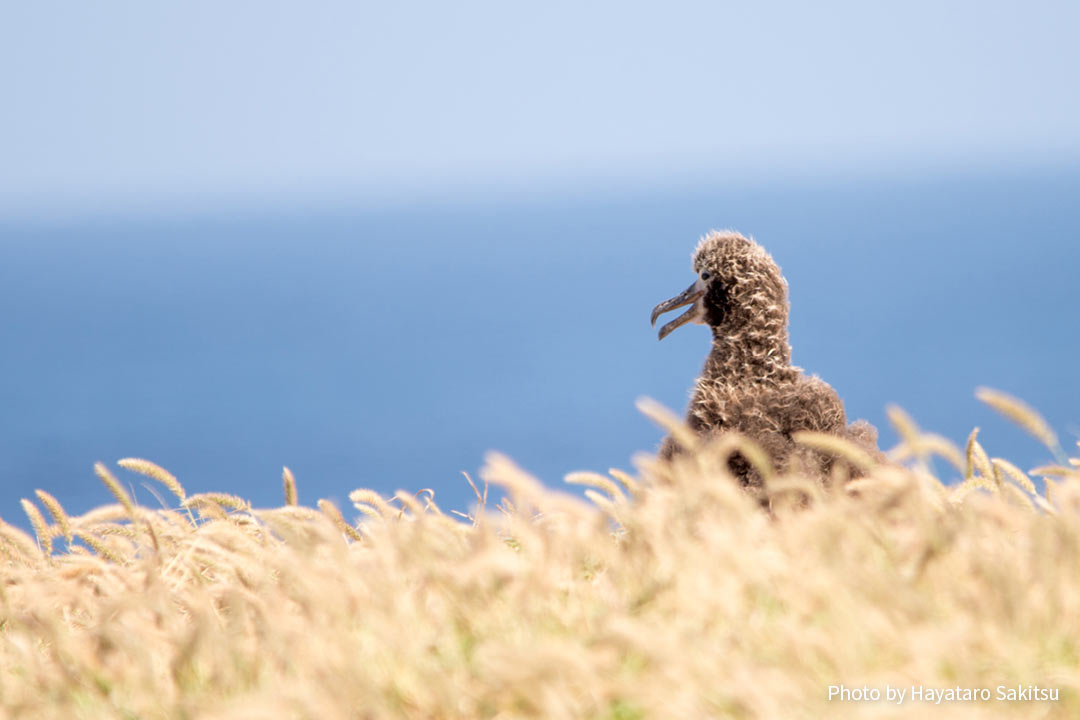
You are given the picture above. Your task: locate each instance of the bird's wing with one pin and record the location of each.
(809, 403)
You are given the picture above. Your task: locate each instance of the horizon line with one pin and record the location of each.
(521, 190)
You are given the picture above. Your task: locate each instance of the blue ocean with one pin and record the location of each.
(392, 348)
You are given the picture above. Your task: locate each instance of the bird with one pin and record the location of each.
(748, 383)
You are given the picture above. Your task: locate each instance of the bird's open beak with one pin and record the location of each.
(688, 296)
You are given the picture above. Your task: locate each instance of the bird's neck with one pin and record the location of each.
(750, 354)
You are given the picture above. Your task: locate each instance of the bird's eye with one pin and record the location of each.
(706, 275)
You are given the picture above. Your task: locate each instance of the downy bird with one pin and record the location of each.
(748, 383)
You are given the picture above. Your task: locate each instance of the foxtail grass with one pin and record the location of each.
(667, 592)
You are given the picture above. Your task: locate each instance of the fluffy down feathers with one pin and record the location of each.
(748, 383)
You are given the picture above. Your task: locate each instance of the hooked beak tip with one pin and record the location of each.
(688, 297)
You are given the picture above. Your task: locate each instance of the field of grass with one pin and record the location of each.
(666, 594)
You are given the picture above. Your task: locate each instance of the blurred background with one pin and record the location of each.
(373, 241)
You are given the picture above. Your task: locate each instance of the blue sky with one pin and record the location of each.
(129, 104)
(246, 191)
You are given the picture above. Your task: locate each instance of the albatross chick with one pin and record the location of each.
(748, 384)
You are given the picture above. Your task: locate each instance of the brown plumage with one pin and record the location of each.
(748, 383)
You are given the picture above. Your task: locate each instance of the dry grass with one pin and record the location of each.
(668, 595)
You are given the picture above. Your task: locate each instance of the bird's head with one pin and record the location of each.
(737, 283)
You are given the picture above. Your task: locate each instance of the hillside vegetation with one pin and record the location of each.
(669, 594)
